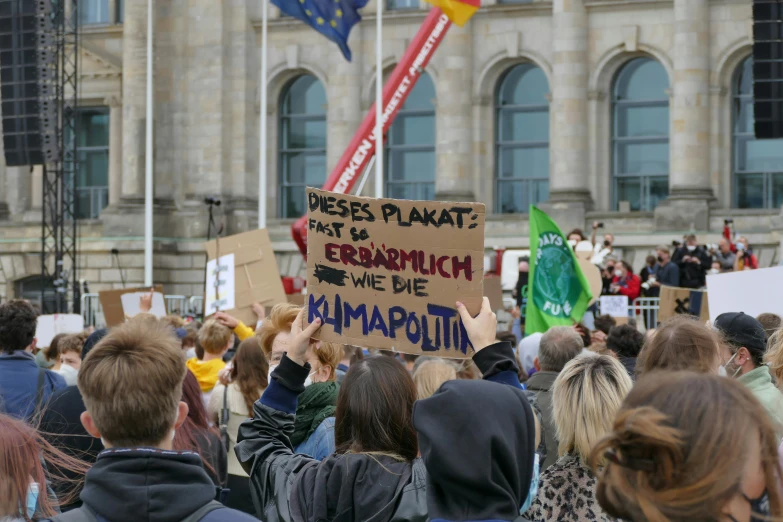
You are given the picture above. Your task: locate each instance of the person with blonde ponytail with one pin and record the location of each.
(690, 447)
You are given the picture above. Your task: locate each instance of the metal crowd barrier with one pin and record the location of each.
(175, 304)
(647, 308)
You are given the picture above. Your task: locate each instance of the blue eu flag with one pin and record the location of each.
(332, 18)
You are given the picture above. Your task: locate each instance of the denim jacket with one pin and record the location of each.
(321, 443)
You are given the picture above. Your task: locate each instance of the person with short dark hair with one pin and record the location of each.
(626, 342)
(24, 387)
(770, 322)
(747, 341)
(604, 323)
(668, 272)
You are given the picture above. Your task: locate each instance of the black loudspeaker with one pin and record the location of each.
(768, 68)
(27, 69)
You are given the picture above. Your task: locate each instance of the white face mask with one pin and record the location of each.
(714, 271)
(69, 373)
(618, 273)
(691, 248)
(269, 374)
(722, 370)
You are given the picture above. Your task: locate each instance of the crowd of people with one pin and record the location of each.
(160, 420)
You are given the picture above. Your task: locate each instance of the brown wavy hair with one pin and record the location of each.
(22, 450)
(249, 371)
(675, 450)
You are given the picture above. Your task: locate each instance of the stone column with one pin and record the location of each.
(569, 193)
(134, 100)
(115, 148)
(690, 192)
(454, 126)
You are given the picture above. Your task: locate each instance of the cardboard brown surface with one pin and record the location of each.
(494, 291)
(676, 301)
(353, 239)
(111, 303)
(257, 278)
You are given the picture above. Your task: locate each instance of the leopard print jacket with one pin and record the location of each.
(566, 493)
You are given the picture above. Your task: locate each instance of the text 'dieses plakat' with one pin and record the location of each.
(385, 273)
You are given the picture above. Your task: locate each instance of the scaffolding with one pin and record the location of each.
(58, 44)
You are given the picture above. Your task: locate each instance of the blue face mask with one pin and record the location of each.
(32, 499)
(531, 494)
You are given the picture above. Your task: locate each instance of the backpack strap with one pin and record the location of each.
(82, 514)
(39, 393)
(203, 511)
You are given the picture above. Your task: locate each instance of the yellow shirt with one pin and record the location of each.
(206, 372)
(243, 332)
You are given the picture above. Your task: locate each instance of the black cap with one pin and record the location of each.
(742, 330)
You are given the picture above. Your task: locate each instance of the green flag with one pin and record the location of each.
(558, 292)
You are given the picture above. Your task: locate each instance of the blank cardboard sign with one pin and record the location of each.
(256, 276)
(384, 273)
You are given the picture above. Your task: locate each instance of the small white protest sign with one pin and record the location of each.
(221, 293)
(614, 305)
(51, 325)
(131, 304)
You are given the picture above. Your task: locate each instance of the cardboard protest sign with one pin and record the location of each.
(256, 276)
(675, 301)
(751, 291)
(50, 325)
(384, 273)
(112, 303)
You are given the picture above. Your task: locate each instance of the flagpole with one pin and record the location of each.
(148, 189)
(379, 103)
(262, 121)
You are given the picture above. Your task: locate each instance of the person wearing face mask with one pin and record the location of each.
(694, 261)
(747, 341)
(607, 276)
(687, 447)
(724, 256)
(625, 282)
(132, 385)
(27, 462)
(668, 272)
(71, 357)
(62, 427)
(745, 259)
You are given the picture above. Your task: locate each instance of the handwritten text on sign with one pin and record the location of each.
(384, 273)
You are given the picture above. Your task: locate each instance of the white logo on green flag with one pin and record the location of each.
(558, 293)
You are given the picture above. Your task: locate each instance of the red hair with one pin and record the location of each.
(185, 437)
(21, 452)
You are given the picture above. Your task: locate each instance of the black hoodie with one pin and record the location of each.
(151, 485)
(477, 440)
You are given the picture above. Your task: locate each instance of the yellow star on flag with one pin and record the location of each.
(320, 20)
(308, 12)
(333, 23)
(339, 13)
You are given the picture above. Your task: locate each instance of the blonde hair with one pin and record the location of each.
(585, 398)
(214, 337)
(131, 383)
(279, 321)
(774, 356)
(431, 375)
(175, 321)
(330, 354)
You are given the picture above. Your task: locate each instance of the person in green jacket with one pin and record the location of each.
(747, 342)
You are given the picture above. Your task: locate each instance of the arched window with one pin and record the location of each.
(410, 147)
(640, 134)
(522, 139)
(758, 164)
(302, 142)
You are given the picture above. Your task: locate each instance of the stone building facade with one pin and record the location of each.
(589, 141)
